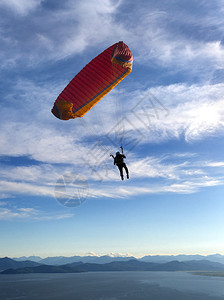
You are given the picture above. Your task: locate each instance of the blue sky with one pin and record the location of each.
(59, 191)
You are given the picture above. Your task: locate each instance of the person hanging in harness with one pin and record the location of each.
(119, 162)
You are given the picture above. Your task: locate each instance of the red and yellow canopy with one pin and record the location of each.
(93, 82)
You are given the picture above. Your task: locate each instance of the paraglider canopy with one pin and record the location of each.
(93, 82)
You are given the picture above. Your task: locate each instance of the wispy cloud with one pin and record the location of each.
(6, 213)
(186, 175)
(185, 37)
(26, 213)
(22, 7)
(194, 111)
(170, 36)
(180, 187)
(216, 164)
(25, 188)
(55, 31)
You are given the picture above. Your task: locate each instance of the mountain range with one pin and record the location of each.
(6, 263)
(10, 266)
(130, 265)
(61, 260)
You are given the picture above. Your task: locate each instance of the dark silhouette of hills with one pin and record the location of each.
(136, 265)
(42, 269)
(6, 263)
(181, 257)
(130, 265)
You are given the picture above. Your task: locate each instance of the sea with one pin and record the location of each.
(112, 286)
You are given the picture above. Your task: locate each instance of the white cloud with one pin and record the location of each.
(92, 18)
(40, 143)
(180, 187)
(49, 217)
(183, 54)
(178, 39)
(153, 168)
(6, 213)
(30, 213)
(186, 175)
(31, 173)
(53, 34)
(156, 33)
(22, 7)
(26, 188)
(194, 111)
(215, 164)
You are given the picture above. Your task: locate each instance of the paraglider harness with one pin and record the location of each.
(119, 159)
